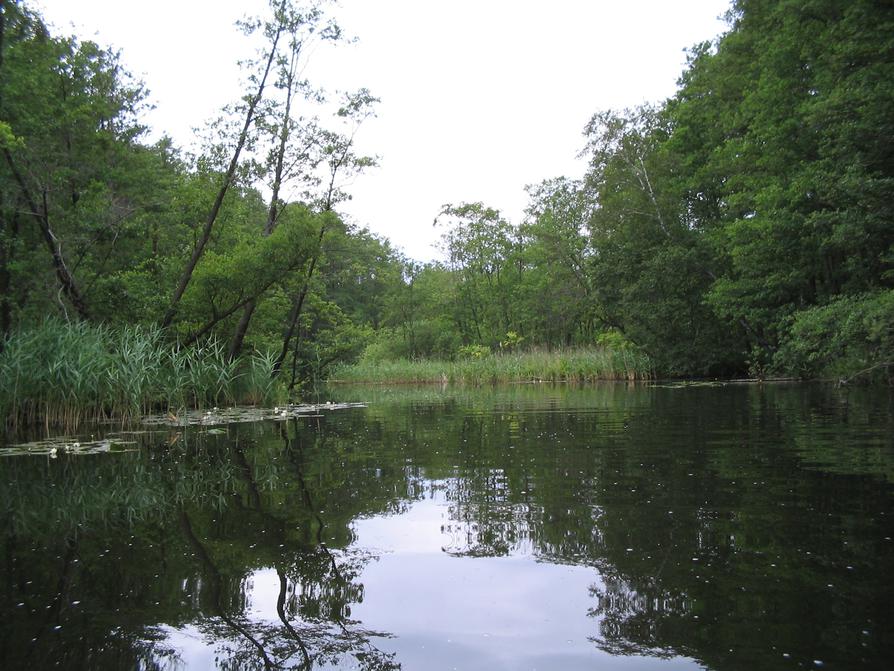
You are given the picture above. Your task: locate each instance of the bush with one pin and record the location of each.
(613, 339)
(851, 336)
(419, 339)
(474, 351)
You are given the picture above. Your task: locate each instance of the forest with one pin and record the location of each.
(740, 228)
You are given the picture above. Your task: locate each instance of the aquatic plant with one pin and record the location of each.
(63, 374)
(573, 365)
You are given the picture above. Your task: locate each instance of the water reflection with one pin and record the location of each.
(555, 528)
(105, 559)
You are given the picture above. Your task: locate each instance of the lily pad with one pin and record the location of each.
(55, 447)
(238, 415)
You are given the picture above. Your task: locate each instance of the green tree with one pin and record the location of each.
(556, 288)
(784, 132)
(339, 161)
(419, 315)
(69, 130)
(291, 157)
(272, 32)
(650, 268)
(481, 248)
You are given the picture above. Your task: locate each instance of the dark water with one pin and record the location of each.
(607, 527)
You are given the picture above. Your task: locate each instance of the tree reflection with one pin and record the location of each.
(178, 540)
(629, 619)
(726, 525)
(710, 521)
(316, 588)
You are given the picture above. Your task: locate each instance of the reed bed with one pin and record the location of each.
(571, 365)
(62, 374)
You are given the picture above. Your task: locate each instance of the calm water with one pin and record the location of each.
(607, 527)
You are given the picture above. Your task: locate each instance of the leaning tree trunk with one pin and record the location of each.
(222, 192)
(274, 211)
(294, 315)
(41, 216)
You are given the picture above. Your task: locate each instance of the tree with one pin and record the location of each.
(650, 267)
(272, 32)
(69, 123)
(784, 133)
(481, 247)
(340, 162)
(292, 155)
(417, 314)
(558, 293)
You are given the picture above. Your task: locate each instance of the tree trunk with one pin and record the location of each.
(274, 210)
(222, 192)
(6, 257)
(293, 378)
(297, 306)
(41, 215)
(291, 323)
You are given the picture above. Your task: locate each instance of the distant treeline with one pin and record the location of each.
(741, 227)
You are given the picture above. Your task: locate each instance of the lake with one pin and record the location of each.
(613, 526)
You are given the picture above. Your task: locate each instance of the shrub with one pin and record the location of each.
(474, 351)
(851, 336)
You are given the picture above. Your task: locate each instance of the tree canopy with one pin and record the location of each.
(740, 227)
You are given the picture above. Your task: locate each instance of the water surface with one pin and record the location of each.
(525, 527)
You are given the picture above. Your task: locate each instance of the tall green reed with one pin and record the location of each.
(573, 365)
(64, 374)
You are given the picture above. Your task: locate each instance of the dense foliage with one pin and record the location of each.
(97, 226)
(741, 227)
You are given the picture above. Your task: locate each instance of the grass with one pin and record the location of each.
(64, 374)
(572, 365)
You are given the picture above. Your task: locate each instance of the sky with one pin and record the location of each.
(479, 98)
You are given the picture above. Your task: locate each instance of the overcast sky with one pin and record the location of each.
(479, 97)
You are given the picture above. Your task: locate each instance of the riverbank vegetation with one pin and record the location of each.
(63, 374)
(564, 365)
(741, 227)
